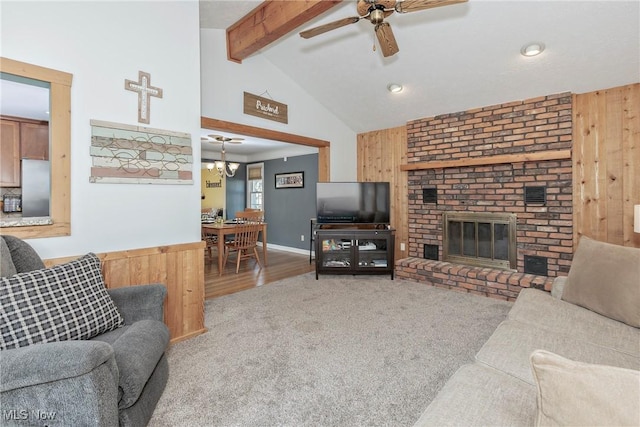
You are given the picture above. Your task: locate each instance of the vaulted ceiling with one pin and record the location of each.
(452, 58)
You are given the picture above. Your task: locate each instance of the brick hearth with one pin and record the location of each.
(536, 125)
(499, 284)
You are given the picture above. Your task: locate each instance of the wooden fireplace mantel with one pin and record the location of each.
(489, 160)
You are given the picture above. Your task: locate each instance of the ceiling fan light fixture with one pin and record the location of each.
(532, 49)
(394, 87)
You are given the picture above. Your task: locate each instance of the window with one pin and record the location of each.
(255, 186)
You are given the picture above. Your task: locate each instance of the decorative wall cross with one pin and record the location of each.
(145, 90)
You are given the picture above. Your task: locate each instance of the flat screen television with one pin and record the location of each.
(352, 202)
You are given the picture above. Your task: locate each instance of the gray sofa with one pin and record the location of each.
(511, 383)
(114, 378)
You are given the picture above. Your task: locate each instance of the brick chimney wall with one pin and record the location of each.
(533, 125)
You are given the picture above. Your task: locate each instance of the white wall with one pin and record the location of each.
(223, 84)
(102, 44)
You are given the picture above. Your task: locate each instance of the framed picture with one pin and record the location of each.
(290, 180)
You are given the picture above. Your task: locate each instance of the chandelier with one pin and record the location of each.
(224, 168)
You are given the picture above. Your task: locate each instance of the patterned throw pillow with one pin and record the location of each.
(65, 302)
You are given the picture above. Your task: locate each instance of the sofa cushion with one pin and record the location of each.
(511, 345)
(609, 286)
(138, 349)
(65, 302)
(477, 395)
(7, 268)
(574, 393)
(541, 310)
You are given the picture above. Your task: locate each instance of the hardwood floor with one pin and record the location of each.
(281, 265)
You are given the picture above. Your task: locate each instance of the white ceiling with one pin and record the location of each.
(454, 58)
(451, 58)
(250, 149)
(22, 99)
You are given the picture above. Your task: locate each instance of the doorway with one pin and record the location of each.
(240, 129)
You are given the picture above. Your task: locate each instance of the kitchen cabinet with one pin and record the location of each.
(354, 251)
(34, 141)
(9, 153)
(20, 139)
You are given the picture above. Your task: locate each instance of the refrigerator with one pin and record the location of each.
(36, 187)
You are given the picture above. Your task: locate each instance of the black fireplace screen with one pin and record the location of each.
(482, 239)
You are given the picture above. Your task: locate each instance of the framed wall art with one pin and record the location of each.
(290, 180)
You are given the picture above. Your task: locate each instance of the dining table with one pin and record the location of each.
(222, 229)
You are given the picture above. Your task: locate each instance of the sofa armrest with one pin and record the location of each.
(69, 382)
(138, 350)
(49, 362)
(558, 286)
(140, 302)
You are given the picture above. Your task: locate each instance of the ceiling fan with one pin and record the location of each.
(375, 11)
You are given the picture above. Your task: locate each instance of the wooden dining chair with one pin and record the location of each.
(211, 241)
(244, 244)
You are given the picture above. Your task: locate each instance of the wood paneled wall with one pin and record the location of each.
(380, 154)
(179, 267)
(606, 164)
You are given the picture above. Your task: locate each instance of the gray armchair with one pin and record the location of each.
(112, 379)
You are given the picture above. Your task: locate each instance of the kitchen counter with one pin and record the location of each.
(25, 222)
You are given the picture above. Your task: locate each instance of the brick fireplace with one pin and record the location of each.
(505, 159)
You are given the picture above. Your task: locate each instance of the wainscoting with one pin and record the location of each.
(179, 267)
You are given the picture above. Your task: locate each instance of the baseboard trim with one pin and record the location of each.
(288, 249)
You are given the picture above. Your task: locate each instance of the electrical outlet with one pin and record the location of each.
(302, 237)
(402, 247)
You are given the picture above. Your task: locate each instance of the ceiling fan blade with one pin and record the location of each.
(387, 40)
(328, 27)
(416, 5)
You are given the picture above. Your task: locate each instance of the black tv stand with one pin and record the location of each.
(354, 249)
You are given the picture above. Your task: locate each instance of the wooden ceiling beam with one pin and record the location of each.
(270, 21)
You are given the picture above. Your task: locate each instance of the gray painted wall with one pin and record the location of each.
(288, 211)
(236, 191)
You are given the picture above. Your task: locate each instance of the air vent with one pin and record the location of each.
(430, 252)
(535, 265)
(535, 195)
(430, 195)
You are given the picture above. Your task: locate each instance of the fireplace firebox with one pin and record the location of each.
(480, 239)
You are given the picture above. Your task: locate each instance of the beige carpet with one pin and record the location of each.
(339, 351)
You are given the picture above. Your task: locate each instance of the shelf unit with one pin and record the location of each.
(354, 250)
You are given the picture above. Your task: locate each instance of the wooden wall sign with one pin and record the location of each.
(266, 108)
(126, 154)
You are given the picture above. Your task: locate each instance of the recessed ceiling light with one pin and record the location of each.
(394, 88)
(532, 49)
